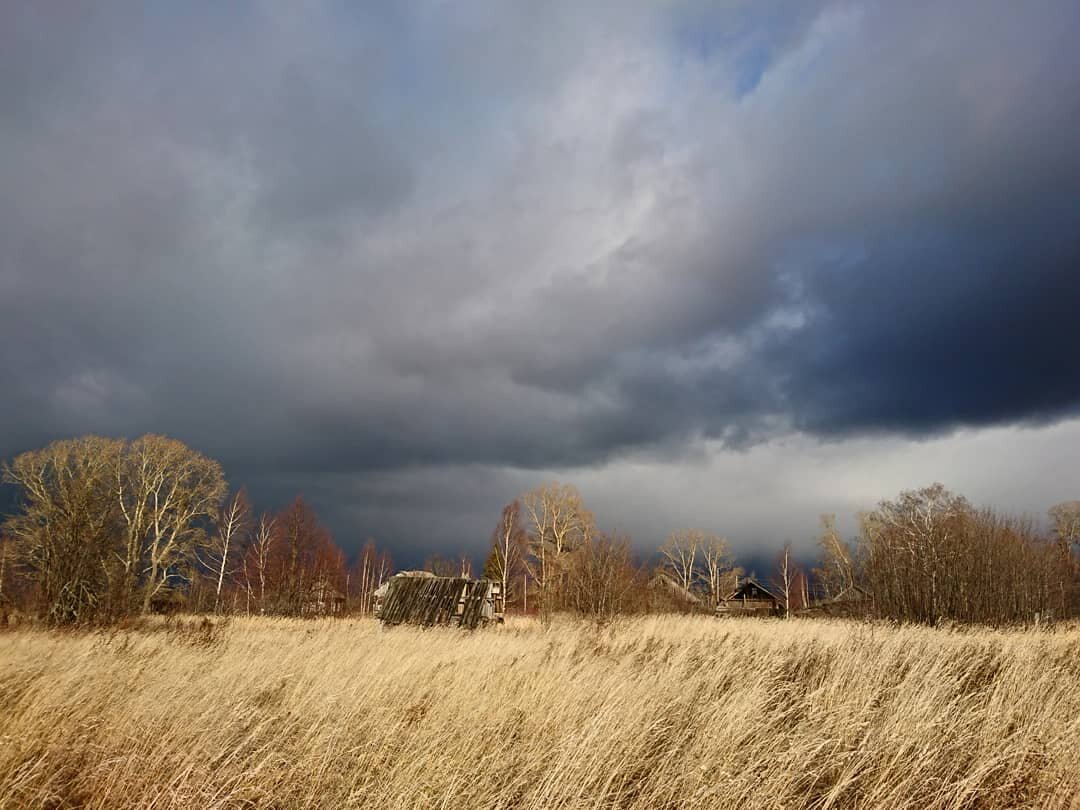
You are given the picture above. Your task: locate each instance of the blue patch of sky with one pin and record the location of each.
(750, 67)
(741, 43)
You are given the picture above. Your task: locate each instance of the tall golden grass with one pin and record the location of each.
(656, 712)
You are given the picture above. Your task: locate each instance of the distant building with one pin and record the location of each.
(323, 599)
(751, 598)
(664, 584)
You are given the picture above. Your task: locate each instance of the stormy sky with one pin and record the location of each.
(727, 265)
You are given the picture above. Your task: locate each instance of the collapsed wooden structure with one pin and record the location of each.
(417, 597)
(851, 602)
(662, 582)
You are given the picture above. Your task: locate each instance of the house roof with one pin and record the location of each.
(748, 582)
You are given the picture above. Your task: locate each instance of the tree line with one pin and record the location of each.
(109, 528)
(928, 556)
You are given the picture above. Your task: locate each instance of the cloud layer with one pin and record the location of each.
(340, 247)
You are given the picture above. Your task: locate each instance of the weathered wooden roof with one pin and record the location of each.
(750, 583)
(661, 579)
(853, 593)
(435, 600)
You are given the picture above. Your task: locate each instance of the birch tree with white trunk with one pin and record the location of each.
(681, 553)
(224, 546)
(507, 541)
(785, 578)
(261, 553)
(717, 566)
(836, 571)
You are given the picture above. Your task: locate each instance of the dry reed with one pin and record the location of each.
(655, 712)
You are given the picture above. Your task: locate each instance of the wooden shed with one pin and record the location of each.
(751, 598)
(417, 597)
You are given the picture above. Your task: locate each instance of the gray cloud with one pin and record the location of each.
(347, 251)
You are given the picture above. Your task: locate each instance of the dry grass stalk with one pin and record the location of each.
(654, 712)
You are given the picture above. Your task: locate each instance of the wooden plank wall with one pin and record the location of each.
(429, 601)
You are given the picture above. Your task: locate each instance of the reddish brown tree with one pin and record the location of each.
(602, 579)
(300, 556)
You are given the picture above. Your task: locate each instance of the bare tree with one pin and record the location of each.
(603, 576)
(836, 571)
(1066, 519)
(384, 568)
(786, 577)
(911, 544)
(1066, 522)
(559, 523)
(297, 565)
(681, 553)
(164, 488)
(372, 568)
(929, 555)
(5, 553)
(507, 541)
(261, 554)
(224, 546)
(441, 566)
(103, 518)
(716, 567)
(64, 530)
(300, 555)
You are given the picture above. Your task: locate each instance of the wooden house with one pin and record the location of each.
(751, 598)
(417, 597)
(322, 599)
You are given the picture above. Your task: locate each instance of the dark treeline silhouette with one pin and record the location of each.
(108, 528)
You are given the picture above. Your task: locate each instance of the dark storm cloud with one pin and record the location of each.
(955, 329)
(344, 249)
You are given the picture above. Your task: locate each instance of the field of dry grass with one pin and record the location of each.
(658, 712)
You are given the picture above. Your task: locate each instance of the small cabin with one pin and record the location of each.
(418, 597)
(322, 599)
(751, 598)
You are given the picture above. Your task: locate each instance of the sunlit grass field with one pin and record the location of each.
(654, 712)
